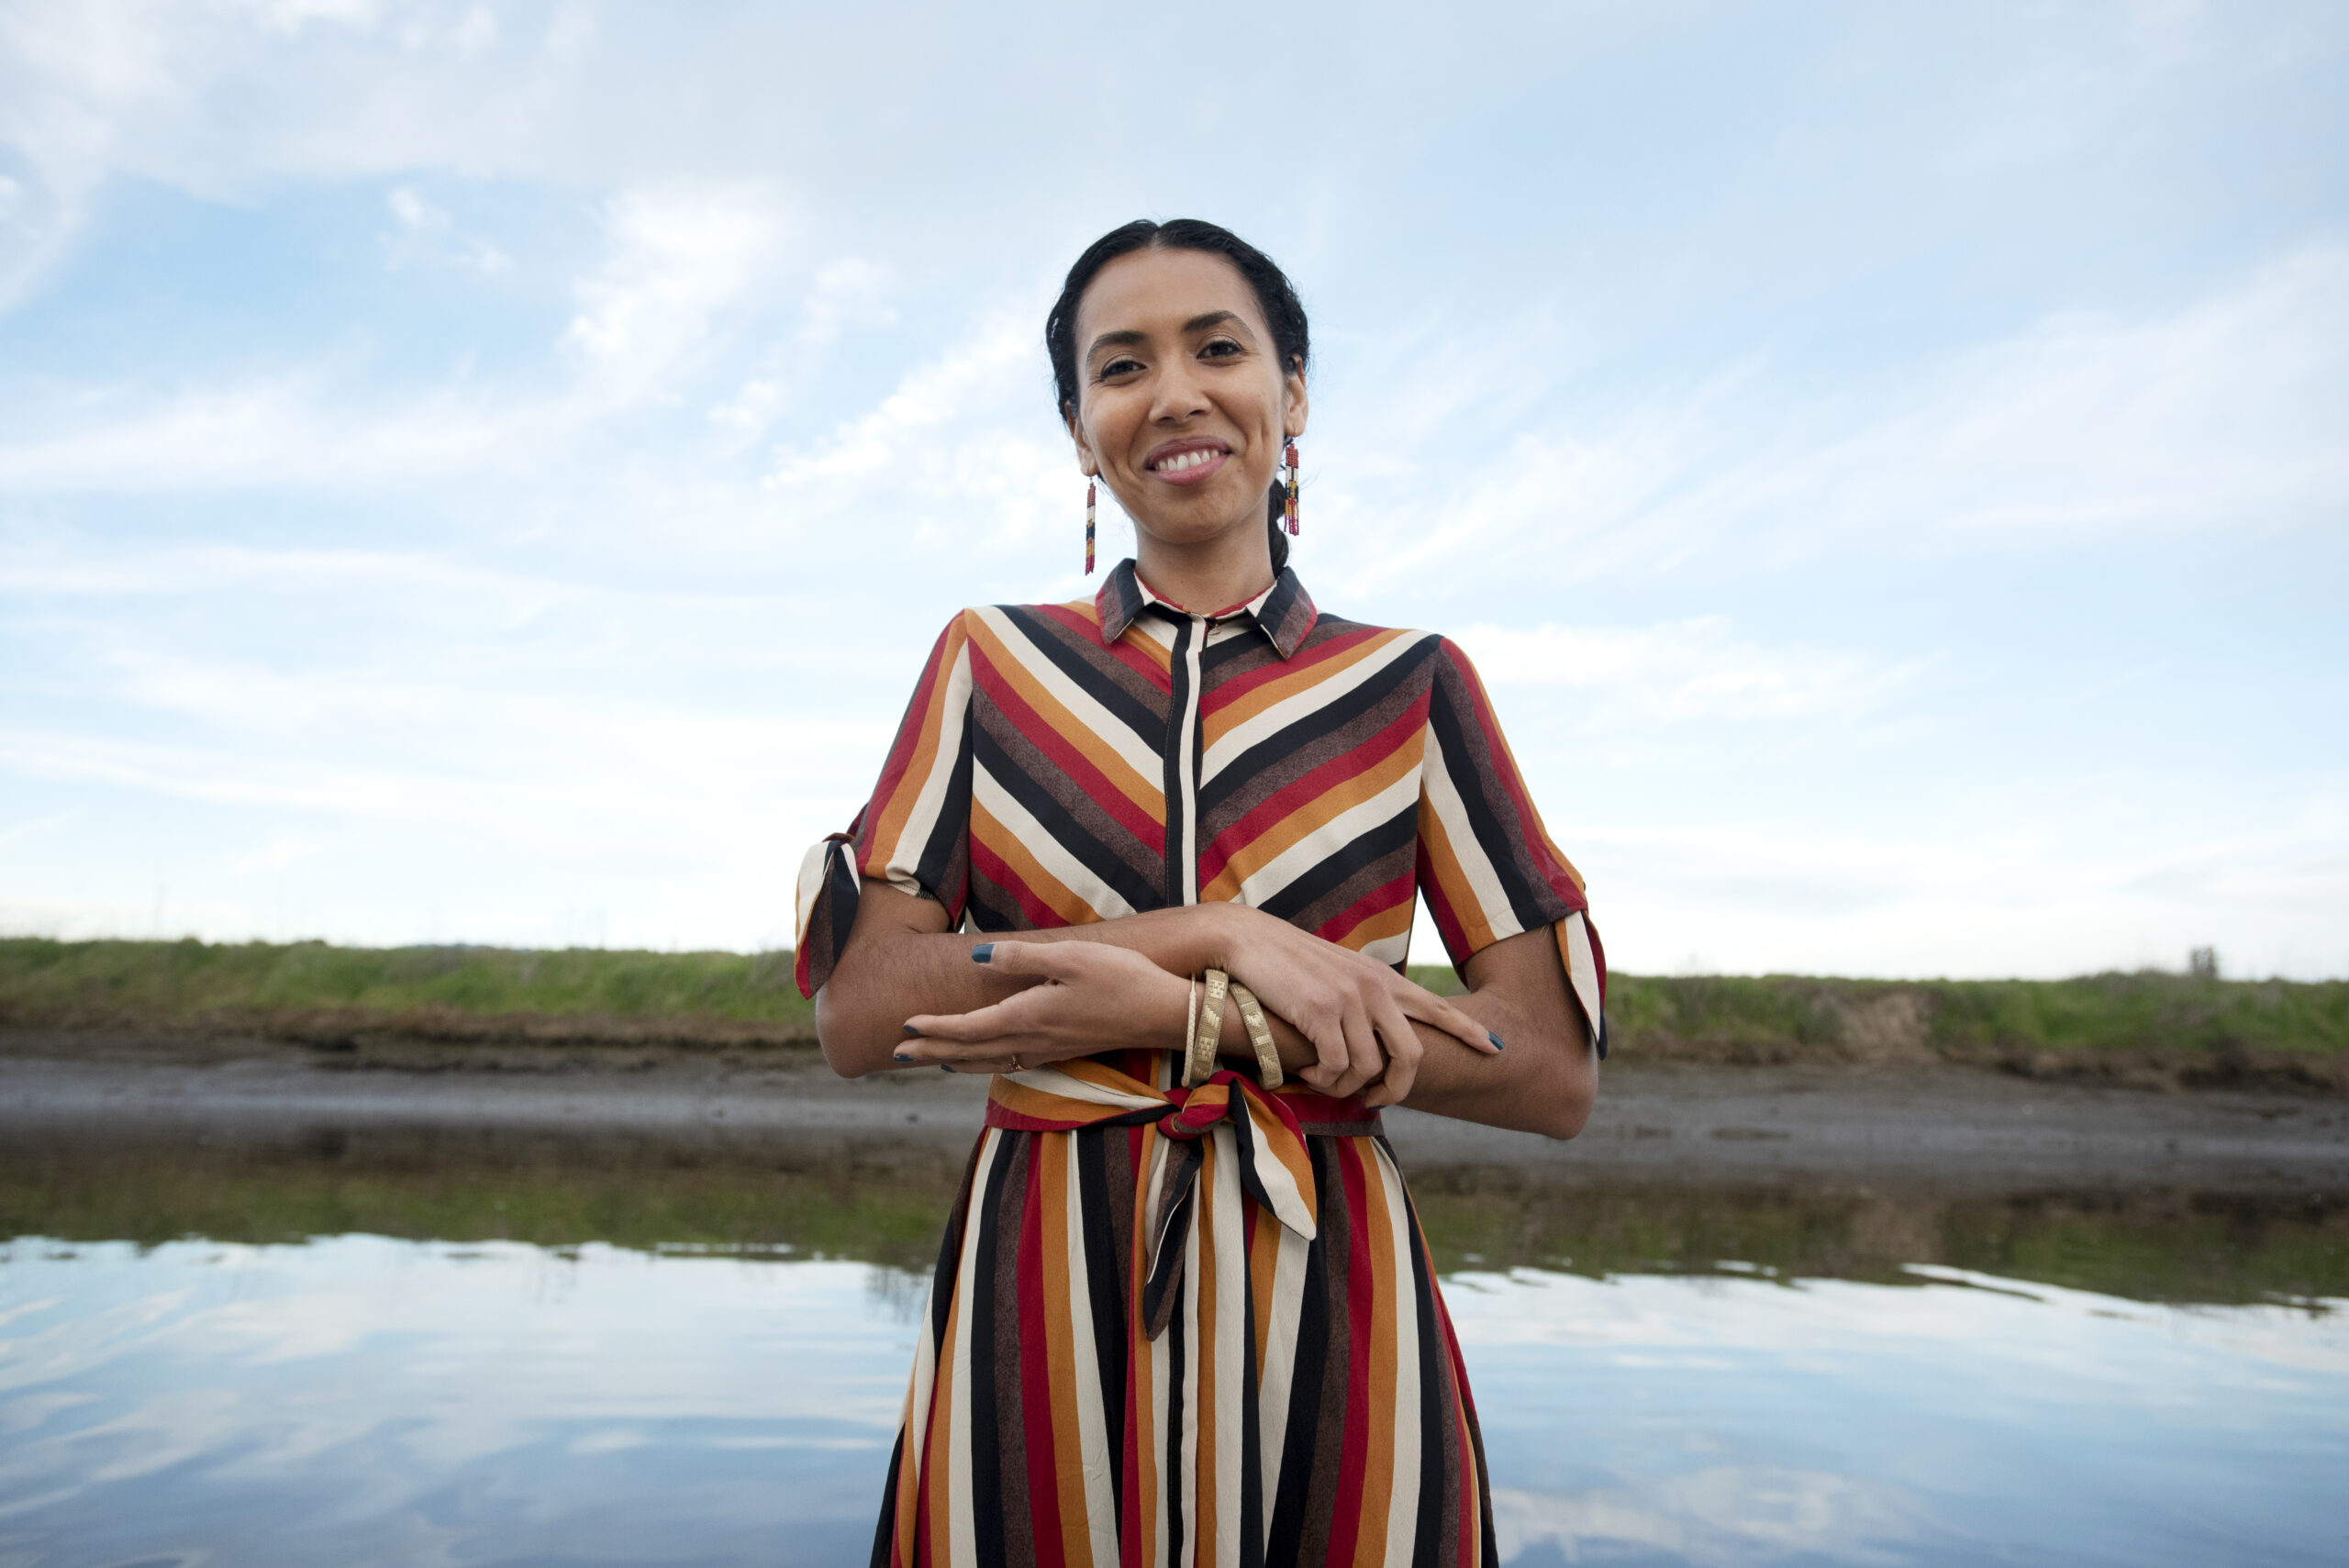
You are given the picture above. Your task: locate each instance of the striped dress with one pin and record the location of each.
(1174, 1328)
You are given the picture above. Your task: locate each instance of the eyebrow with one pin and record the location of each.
(1196, 324)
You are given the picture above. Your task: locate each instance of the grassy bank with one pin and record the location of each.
(313, 994)
(2153, 1028)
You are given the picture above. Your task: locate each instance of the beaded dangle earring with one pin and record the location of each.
(1088, 528)
(1288, 456)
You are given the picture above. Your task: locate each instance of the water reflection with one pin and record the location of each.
(431, 1347)
(882, 1200)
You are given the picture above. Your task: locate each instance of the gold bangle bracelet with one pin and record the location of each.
(1200, 1064)
(1260, 1035)
(1190, 1020)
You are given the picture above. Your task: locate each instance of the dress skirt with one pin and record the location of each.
(1173, 1328)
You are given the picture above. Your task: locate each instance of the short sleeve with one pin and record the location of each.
(914, 833)
(1487, 866)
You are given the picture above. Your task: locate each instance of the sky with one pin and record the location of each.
(492, 472)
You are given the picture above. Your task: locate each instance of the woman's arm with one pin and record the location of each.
(906, 992)
(1548, 1079)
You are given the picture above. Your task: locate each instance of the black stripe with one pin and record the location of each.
(1491, 814)
(1373, 844)
(986, 1455)
(1439, 1479)
(885, 1533)
(1078, 839)
(944, 867)
(1178, 807)
(1084, 667)
(1292, 1490)
(1249, 770)
(1105, 1268)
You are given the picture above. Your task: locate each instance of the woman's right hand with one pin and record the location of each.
(1355, 1011)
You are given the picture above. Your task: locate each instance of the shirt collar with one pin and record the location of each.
(1283, 612)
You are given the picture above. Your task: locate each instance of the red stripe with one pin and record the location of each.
(1056, 745)
(1377, 901)
(1345, 1524)
(1041, 917)
(1310, 787)
(909, 733)
(1036, 1383)
(1239, 686)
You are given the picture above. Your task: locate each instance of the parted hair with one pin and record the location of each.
(1275, 296)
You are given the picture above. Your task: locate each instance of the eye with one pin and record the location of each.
(1124, 364)
(1221, 349)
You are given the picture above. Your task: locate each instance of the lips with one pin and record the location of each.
(1187, 462)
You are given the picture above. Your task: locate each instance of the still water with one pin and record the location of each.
(419, 1355)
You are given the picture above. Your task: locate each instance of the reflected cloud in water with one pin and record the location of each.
(409, 1348)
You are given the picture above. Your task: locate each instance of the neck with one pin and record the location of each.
(1210, 575)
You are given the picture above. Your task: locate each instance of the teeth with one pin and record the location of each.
(1181, 462)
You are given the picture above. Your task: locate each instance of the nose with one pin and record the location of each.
(1178, 395)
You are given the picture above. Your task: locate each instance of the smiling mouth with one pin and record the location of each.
(1188, 463)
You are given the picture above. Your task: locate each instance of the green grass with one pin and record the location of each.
(2181, 1028)
(191, 984)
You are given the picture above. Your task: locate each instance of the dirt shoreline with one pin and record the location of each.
(1920, 1126)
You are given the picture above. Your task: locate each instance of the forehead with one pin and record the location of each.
(1157, 291)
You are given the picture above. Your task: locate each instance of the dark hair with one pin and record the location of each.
(1275, 296)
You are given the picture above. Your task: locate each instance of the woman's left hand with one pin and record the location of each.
(1094, 997)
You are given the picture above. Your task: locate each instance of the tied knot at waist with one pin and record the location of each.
(1267, 1131)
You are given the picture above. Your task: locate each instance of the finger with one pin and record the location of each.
(1052, 961)
(1007, 1016)
(982, 1066)
(1330, 1059)
(1437, 1013)
(1404, 1053)
(1365, 1061)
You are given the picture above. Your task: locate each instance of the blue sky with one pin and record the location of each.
(491, 472)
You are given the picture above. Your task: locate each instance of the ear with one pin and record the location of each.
(1087, 463)
(1297, 403)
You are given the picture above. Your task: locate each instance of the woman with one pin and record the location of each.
(1176, 1325)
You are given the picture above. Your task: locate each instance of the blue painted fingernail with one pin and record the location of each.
(945, 1067)
(1498, 1043)
(903, 1057)
(911, 1031)
(983, 953)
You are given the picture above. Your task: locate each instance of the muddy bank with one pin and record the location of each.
(1893, 1125)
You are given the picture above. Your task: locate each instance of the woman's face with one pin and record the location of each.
(1183, 403)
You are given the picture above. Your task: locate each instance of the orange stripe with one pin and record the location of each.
(1291, 681)
(1378, 1458)
(1442, 865)
(890, 825)
(1344, 794)
(1148, 794)
(1205, 1512)
(1046, 888)
(1051, 1155)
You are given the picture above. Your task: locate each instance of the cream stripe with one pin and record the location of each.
(1403, 1498)
(1230, 1341)
(810, 883)
(921, 818)
(1328, 838)
(1053, 1081)
(1187, 1483)
(1092, 1416)
(1309, 699)
(1476, 868)
(962, 1526)
(1581, 969)
(1099, 724)
(1051, 854)
(1280, 1361)
(1186, 738)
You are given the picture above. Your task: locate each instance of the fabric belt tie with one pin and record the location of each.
(1268, 1130)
